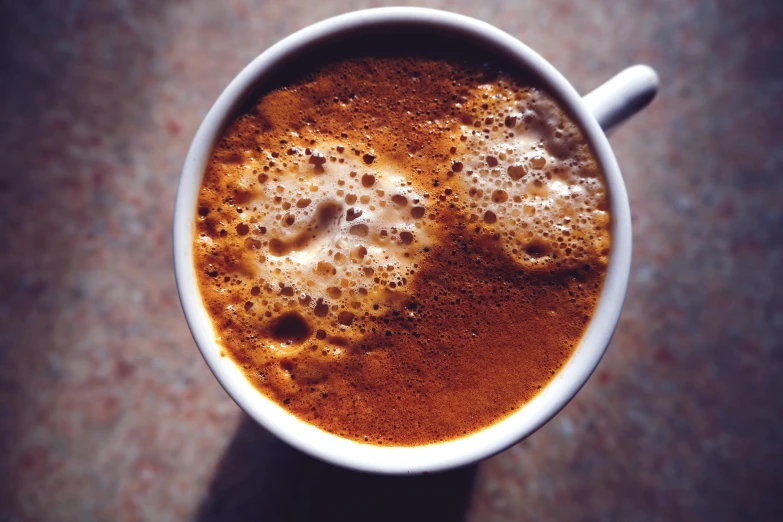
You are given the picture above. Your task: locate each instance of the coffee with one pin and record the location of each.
(401, 249)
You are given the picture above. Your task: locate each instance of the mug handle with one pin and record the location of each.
(622, 96)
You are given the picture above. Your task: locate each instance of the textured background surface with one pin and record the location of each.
(108, 413)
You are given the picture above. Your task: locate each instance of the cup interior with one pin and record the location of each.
(382, 28)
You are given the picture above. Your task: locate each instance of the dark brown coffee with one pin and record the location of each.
(401, 250)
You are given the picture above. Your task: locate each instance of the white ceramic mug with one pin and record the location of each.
(614, 101)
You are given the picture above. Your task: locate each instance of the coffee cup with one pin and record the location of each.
(595, 113)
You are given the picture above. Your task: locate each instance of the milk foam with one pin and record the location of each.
(331, 231)
(381, 244)
(524, 171)
(335, 233)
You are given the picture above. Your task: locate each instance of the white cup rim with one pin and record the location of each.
(433, 457)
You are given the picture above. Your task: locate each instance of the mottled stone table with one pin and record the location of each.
(108, 413)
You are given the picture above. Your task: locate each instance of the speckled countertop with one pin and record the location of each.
(107, 412)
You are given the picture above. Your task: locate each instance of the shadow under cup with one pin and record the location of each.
(418, 33)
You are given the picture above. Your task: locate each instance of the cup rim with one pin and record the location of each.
(397, 459)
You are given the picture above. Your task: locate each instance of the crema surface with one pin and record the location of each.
(401, 250)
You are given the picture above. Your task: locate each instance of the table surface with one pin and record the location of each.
(108, 413)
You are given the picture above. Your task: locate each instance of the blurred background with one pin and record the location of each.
(107, 411)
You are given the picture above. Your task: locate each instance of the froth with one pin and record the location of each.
(334, 234)
(526, 171)
(402, 250)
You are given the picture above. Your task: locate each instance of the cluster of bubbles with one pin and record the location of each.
(330, 233)
(527, 174)
(322, 237)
